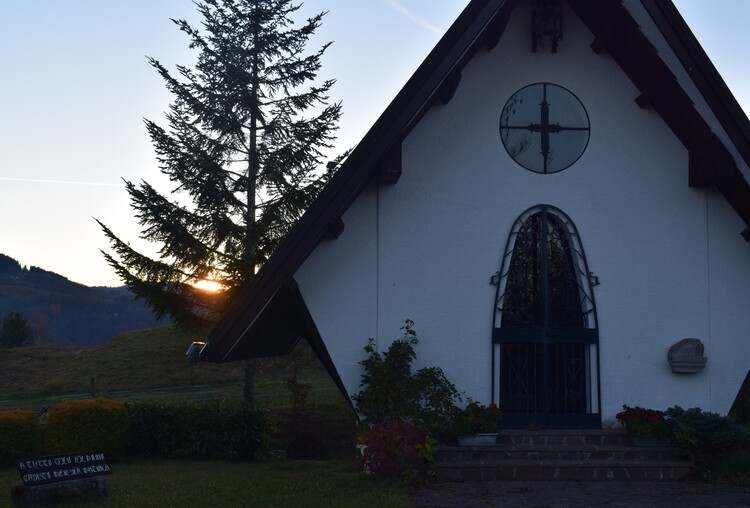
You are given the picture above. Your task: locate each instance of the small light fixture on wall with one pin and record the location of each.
(546, 21)
(194, 352)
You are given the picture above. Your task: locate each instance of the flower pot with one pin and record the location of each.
(480, 439)
(650, 441)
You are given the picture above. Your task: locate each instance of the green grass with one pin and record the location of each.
(151, 364)
(142, 359)
(139, 365)
(188, 484)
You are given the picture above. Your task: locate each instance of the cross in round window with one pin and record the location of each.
(544, 128)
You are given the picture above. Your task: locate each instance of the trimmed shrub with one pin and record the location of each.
(213, 429)
(19, 436)
(88, 425)
(704, 436)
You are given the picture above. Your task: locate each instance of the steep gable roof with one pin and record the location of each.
(268, 315)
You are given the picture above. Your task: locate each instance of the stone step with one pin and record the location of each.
(561, 470)
(559, 452)
(575, 437)
(543, 455)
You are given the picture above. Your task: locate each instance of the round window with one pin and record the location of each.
(544, 128)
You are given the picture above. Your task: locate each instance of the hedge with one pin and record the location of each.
(20, 436)
(88, 425)
(214, 429)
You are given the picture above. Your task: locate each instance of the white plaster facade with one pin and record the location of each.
(669, 257)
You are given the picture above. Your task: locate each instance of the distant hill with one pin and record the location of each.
(65, 312)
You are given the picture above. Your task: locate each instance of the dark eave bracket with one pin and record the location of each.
(336, 227)
(608, 35)
(389, 165)
(710, 165)
(495, 29)
(449, 86)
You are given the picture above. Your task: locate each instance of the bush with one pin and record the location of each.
(20, 436)
(302, 428)
(391, 392)
(704, 436)
(214, 429)
(88, 425)
(398, 449)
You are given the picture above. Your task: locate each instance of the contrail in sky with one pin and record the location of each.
(395, 4)
(65, 182)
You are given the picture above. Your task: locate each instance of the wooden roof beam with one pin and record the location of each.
(608, 35)
(736, 189)
(449, 86)
(336, 227)
(495, 29)
(710, 164)
(389, 165)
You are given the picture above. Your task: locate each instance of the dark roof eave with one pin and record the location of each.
(703, 73)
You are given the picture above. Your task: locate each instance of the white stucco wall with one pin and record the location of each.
(426, 247)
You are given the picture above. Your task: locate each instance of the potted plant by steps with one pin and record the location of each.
(476, 425)
(646, 427)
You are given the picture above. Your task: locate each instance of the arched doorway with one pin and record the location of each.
(545, 335)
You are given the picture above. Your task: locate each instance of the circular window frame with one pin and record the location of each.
(549, 129)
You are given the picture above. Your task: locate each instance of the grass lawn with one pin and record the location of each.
(215, 484)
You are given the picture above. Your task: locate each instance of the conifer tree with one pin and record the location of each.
(245, 142)
(15, 331)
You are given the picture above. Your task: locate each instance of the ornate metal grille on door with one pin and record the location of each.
(545, 334)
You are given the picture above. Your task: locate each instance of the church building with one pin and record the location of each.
(558, 198)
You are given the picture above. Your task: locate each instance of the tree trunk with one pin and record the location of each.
(248, 385)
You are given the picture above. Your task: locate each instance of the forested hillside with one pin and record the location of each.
(64, 312)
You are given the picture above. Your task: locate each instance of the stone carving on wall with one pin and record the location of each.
(686, 356)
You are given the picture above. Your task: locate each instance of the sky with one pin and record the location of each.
(75, 87)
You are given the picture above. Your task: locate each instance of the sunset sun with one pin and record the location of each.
(208, 285)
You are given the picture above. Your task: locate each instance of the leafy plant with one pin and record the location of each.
(705, 436)
(476, 418)
(642, 422)
(391, 392)
(302, 428)
(396, 448)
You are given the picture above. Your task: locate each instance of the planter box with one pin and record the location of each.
(481, 439)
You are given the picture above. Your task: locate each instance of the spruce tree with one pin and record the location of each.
(246, 137)
(15, 331)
